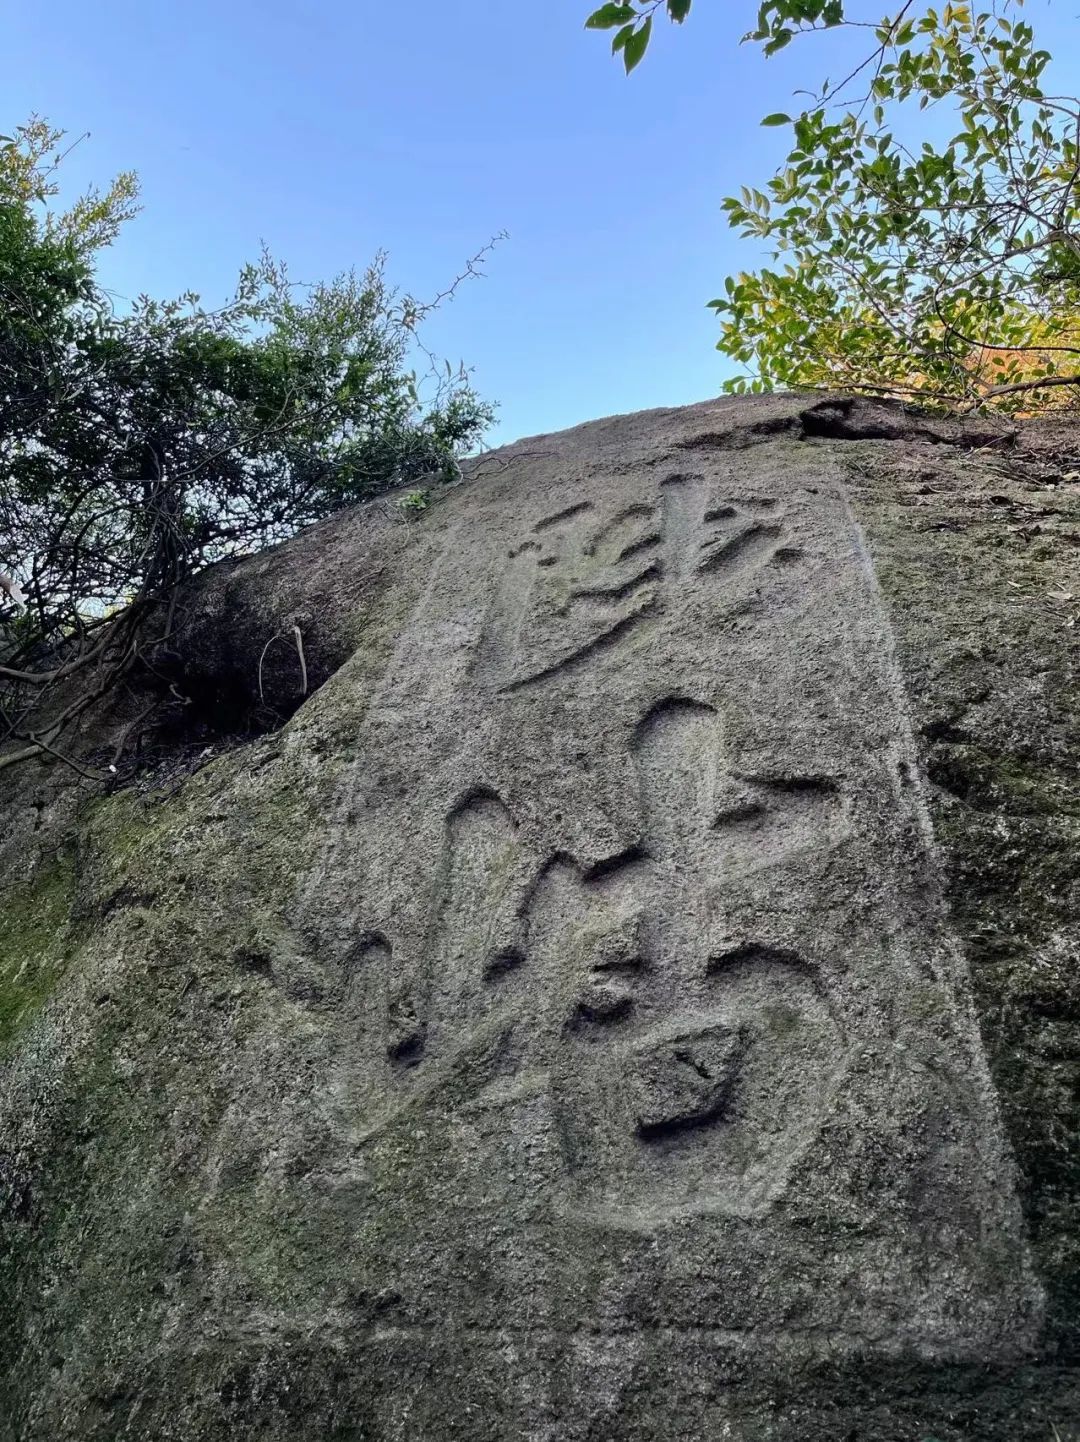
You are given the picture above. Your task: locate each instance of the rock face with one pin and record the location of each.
(634, 997)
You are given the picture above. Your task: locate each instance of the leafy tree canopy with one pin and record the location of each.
(946, 270)
(137, 447)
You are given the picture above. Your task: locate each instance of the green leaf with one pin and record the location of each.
(778, 119)
(678, 10)
(621, 39)
(636, 45)
(608, 16)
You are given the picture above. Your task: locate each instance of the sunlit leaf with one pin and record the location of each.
(637, 44)
(608, 16)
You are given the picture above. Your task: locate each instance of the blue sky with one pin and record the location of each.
(330, 130)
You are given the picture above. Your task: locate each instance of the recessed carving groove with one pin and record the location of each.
(569, 513)
(637, 512)
(751, 545)
(618, 590)
(599, 870)
(571, 665)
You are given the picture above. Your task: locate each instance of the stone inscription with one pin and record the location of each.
(641, 927)
(662, 1045)
(582, 583)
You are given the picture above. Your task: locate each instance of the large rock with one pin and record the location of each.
(635, 996)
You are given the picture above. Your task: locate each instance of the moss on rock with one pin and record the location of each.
(991, 657)
(208, 1230)
(36, 945)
